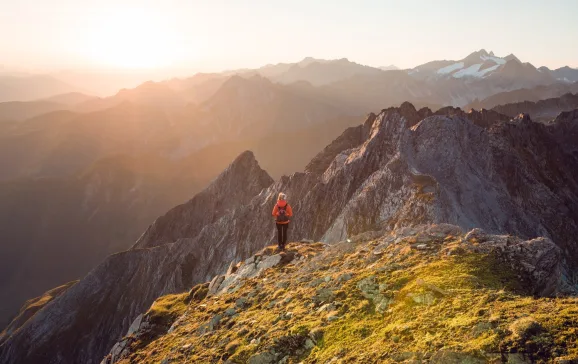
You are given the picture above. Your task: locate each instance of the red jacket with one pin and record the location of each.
(289, 211)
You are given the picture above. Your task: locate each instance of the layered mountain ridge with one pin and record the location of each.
(543, 110)
(402, 167)
(90, 177)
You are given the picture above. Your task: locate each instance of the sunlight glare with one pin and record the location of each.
(133, 38)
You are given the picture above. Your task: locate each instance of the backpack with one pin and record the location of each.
(282, 217)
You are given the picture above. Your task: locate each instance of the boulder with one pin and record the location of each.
(538, 261)
(215, 284)
(262, 358)
(135, 325)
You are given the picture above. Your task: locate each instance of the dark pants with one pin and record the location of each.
(282, 235)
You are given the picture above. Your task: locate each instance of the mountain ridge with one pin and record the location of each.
(403, 171)
(376, 297)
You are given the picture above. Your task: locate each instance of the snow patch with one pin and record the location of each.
(488, 70)
(451, 68)
(471, 71)
(497, 60)
(474, 71)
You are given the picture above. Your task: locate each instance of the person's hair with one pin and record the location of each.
(282, 196)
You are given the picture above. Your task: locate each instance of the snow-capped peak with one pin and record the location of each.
(477, 65)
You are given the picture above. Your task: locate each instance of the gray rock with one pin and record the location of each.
(426, 298)
(323, 295)
(269, 262)
(230, 311)
(309, 344)
(211, 325)
(344, 277)
(282, 284)
(232, 269)
(262, 358)
(316, 282)
(215, 284)
(450, 357)
(326, 307)
(538, 261)
(135, 325)
(241, 303)
(370, 289)
(441, 231)
(476, 234)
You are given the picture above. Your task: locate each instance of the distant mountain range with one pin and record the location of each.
(525, 94)
(110, 165)
(543, 110)
(26, 87)
(445, 82)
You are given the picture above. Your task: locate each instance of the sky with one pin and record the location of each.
(204, 36)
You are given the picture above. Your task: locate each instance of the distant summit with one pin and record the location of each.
(323, 72)
(391, 67)
(510, 57)
(477, 65)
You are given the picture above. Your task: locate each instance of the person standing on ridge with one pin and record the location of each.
(282, 212)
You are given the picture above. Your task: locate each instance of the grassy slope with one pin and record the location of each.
(453, 309)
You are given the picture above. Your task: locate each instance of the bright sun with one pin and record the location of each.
(133, 38)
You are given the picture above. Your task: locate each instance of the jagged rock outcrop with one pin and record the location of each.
(399, 169)
(235, 187)
(350, 138)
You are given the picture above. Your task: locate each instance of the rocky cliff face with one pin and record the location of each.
(234, 188)
(565, 130)
(402, 168)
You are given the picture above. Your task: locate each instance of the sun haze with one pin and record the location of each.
(132, 38)
(218, 35)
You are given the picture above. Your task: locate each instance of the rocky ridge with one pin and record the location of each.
(543, 110)
(379, 297)
(402, 168)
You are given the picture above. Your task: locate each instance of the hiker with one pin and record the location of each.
(282, 212)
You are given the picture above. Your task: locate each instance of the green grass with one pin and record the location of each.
(458, 308)
(167, 308)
